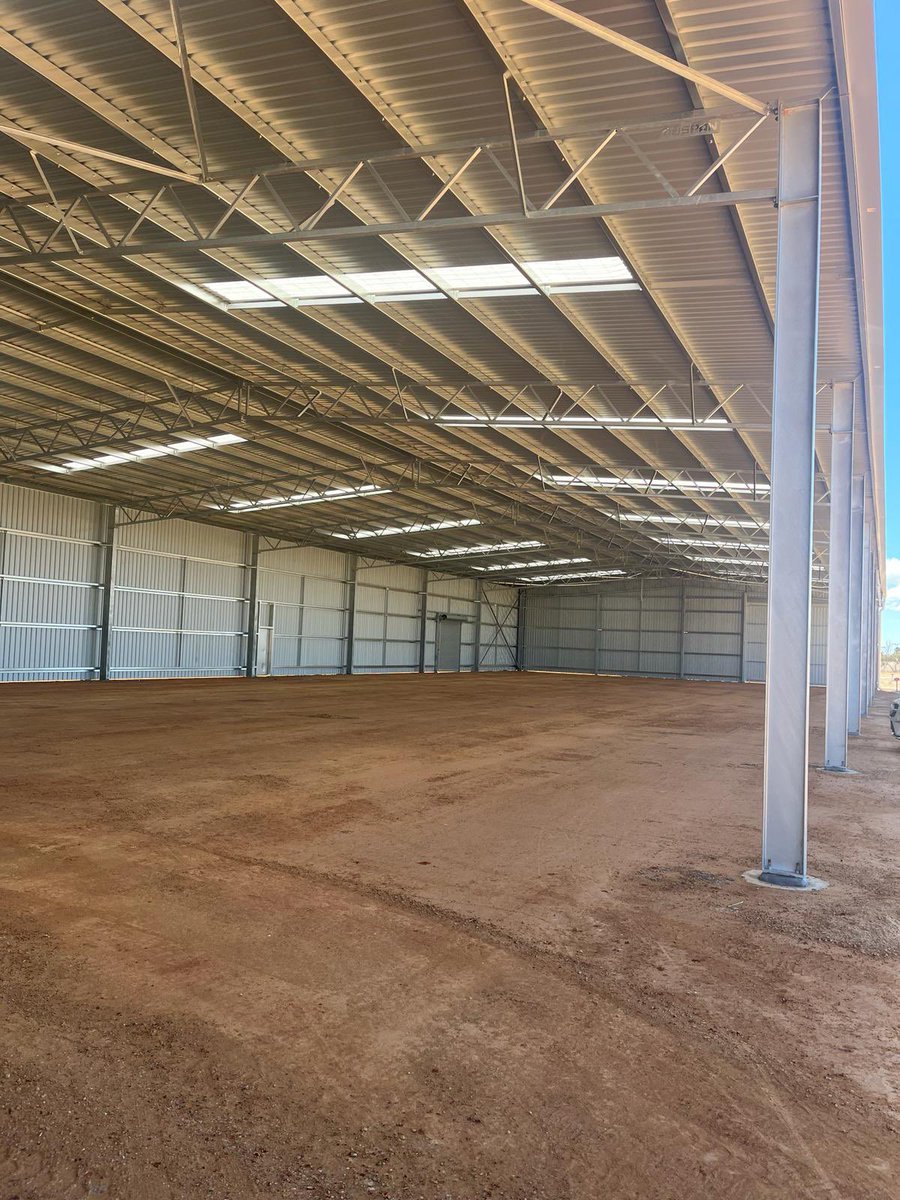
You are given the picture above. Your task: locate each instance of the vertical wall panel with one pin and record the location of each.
(179, 605)
(50, 585)
(303, 596)
(702, 628)
(386, 629)
(451, 596)
(712, 631)
(497, 627)
(180, 609)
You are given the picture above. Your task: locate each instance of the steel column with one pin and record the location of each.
(865, 626)
(520, 630)
(874, 638)
(791, 513)
(838, 661)
(479, 600)
(107, 580)
(423, 625)
(252, 604)
(352, 562)
(857, 519)
(597, 632)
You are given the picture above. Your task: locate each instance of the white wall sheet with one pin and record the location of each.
(387, 620)
(303, 596)
(179, 606)
(450, 596)
(497, 631)
(755, 638)
(50, 585)
(697, 629)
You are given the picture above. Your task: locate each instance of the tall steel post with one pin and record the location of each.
(866, 620)
(108, 583)
(857, 519)
(479, 601)
(423, 622)
(873, 628)
(520, 629)
(878, 643)
(252, 566)
(792, 494)
(837, 695)
(352, 568)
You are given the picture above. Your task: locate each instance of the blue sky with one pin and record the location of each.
(887, 28)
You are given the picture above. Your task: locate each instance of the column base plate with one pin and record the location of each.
(784, 883)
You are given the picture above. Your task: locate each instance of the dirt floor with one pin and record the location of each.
(439, 937)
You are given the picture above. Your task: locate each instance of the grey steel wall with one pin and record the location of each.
(755, 640)
(303, 595)
(180, 608)
(451, 596)
(50, 585)
(388, 618)
(179, 603)
(489, 614)
(499, 621)
(697, 629)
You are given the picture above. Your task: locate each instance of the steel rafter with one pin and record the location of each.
(339, 330)
(53, 73)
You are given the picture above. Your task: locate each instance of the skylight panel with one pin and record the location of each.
(390, 285)
(571, 575)
(711, 522)
(580, 271)
(311, 287)
(486, 548)
(487, 277)
(709, 542)
(142, 453)
(540, 562)
(330, 494)
(238, 291)
(386, 287)
(418, 527)
(740, 562)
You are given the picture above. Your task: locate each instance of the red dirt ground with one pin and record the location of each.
(440, 937)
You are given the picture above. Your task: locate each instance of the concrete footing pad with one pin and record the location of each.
(809, 882)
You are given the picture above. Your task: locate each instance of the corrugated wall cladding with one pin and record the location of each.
(303, 596)
(50, 585)
(451, 597)
(181, 595)
(498, 628)
(388, 618)
(181, 599)
(695, 630)
(755, 640)
(179, 605)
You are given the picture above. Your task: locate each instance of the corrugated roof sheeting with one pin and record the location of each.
(277, 81)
